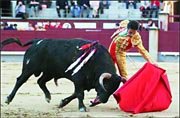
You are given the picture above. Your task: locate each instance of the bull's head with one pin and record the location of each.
(109, 83)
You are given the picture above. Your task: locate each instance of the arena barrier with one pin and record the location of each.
(101, 30)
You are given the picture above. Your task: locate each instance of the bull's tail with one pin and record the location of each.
(17, 41)
(31, 42)
(9, 41)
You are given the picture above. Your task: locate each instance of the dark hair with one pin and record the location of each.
(17, 2)
(117, 24)
(133, 25)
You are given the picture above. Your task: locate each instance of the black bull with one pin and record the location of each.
(53, 57)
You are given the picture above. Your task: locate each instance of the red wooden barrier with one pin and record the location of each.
(168, 40)
(102, 35)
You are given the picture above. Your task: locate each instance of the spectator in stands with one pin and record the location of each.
(145, 9)
(124, 39)
(39, 27)
(52, 25)
(20, 9)
(168, 7)
(85, 7)
(30, 27)
(155, 5)
(119, 1)
(11, 27)
(95, 7)
(55, 25)
(128, 2)
(58, 25)
(101, 7)
(15, 26)
(117, 26)
(5, 26)
(105, 3)
(75, 10)
(62, 5)
(8, 27)
(2, 26)
(147, 25)
(35, 7)
(46, 25)
(47, 3)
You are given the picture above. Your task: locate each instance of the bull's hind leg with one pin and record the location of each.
(42, 84)
(65, 101)
(20, 80)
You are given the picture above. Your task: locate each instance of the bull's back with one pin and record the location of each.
(53, 56)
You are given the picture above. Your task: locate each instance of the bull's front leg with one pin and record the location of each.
(80, 95)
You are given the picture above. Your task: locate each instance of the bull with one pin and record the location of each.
(53, 57)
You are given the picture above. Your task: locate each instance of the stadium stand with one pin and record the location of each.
(116, 9)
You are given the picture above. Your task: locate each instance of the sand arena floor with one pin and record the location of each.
(30, 101)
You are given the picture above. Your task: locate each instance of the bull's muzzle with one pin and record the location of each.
(95, 102)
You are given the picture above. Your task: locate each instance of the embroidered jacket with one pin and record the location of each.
(124, 43)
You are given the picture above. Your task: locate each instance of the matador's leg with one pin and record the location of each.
(121, 63)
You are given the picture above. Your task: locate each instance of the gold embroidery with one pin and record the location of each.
(122, 43)
(136, 39)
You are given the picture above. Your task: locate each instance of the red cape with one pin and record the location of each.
(146, 91)
(112, 49)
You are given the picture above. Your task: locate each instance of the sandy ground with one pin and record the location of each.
(30, 101)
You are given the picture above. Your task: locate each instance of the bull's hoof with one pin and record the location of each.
(82, 109)
(7, 101)
(48, 100)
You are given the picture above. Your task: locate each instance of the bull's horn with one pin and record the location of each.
(102, 77)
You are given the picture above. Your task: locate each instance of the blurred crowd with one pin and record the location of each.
(82, 8)
(76, 8)
(55, 25)
(148, 7)
(34, 26)
(6, 26)
(87, 8)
